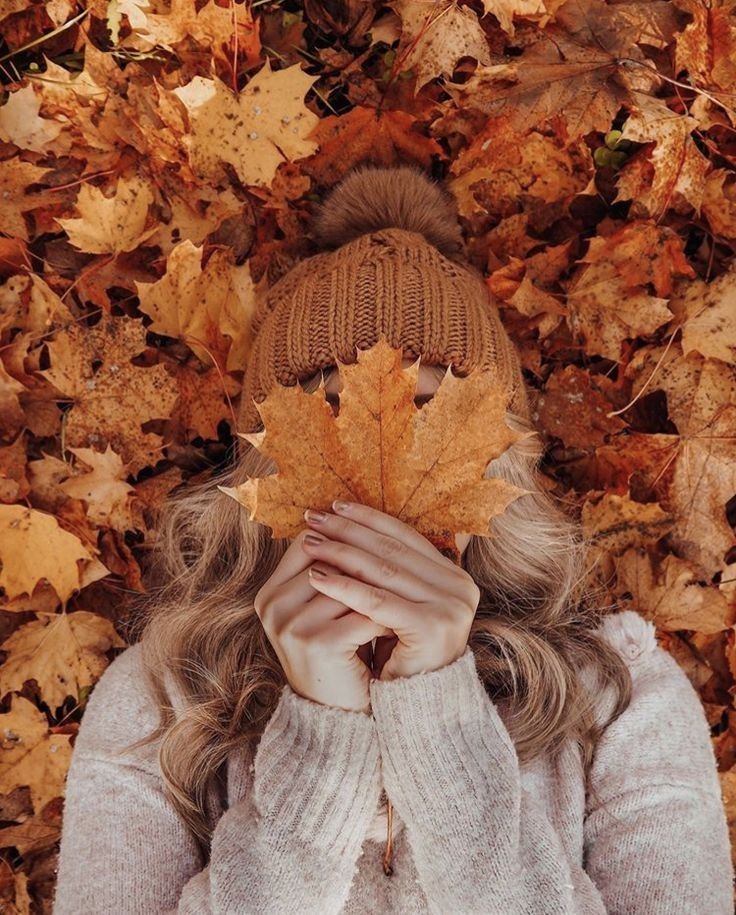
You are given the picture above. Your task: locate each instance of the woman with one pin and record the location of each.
(539, 755)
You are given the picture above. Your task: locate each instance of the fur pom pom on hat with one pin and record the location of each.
(392, 264)
(370, 199)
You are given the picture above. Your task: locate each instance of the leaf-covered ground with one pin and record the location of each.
(158, 166)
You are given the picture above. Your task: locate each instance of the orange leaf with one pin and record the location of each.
(425, 466)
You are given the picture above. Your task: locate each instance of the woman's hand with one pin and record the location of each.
(397, 578)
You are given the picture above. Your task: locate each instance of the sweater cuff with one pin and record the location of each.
(317, 774)
(445, 750)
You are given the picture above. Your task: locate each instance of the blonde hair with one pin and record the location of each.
(531, 635)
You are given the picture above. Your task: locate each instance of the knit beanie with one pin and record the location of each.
(390, 263)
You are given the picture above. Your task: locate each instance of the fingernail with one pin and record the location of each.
(341, 506)
(314, 539)
(318, 573)
(311, 515)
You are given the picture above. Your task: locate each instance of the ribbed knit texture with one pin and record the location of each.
(482, 834)
(391, 282)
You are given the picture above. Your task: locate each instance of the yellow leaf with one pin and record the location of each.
(31, 755)
(424, 466)
(109, 225)
(264, 125)
(32, 547)
(63, 652)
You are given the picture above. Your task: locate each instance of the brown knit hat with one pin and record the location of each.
(397, 270)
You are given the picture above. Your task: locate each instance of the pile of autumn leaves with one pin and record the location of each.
(145, 207)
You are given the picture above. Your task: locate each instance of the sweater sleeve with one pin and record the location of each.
(483, 843)
(288, 842)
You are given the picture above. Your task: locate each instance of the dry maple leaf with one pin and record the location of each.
(32, 755)
(204, 400)
(63, 652)
(679, 168)
(701, 401)
(616, 522)
(708, 313)
(31, 836)
(27, 302)
(719, 202)
(366, 133)
(111, 401)
(109, 225)
(20, 122)
(15, 176)
(608, 295)
(434, 36)
(187, 219)
(103, 487)
(674, 596)
(505, 10)
(200, 306)
(423, 466)
(264, 125)
(32, 547)
(211, 26)
(706, 47)
(579, 72)
(513, 172)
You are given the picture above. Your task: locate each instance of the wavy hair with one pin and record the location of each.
(532, 633)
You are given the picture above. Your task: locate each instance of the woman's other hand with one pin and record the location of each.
(393, 575)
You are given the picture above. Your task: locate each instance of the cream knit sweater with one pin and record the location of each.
(475, 832)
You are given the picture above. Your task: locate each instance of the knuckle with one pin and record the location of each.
(398, 546)
(388, 569)
(376, 597)
(387, 546)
